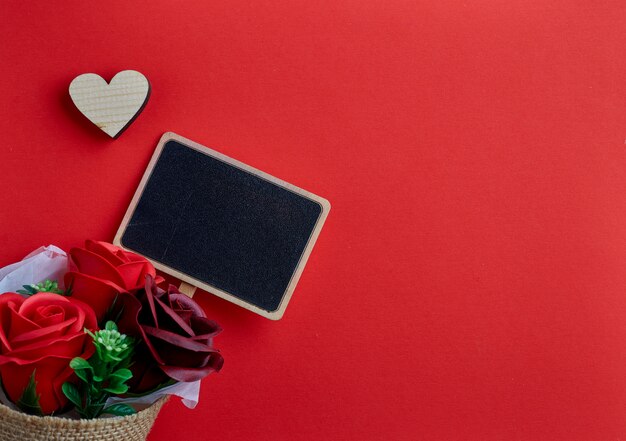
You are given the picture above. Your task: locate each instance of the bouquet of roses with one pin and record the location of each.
(93, 333)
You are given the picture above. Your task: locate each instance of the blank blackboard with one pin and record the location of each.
(222, 225)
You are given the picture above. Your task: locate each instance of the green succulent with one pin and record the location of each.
(105, 374)
(45, 286)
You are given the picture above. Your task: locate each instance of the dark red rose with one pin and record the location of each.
(101, 271)
(176, 336)
(42, 333)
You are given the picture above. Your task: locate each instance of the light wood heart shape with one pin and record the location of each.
(113, 106)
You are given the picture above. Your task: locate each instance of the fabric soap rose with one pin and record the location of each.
(101, 271)
(176, 334)
(42, 334)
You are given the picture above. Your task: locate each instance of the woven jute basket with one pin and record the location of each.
(17, 426)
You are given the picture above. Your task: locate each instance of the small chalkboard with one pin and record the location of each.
(223, 226)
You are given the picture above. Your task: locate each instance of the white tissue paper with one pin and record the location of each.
(188, 392)
(44, 263)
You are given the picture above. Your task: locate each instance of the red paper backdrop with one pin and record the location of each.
(470, 282)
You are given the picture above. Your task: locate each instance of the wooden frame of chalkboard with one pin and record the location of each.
(275, 314)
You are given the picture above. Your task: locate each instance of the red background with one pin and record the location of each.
(470, 280)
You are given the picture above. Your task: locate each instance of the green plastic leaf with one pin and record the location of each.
(108, 357)
(82, 374)
(72, 394)
(82, 368)
(29, 401)
(28, 290)
(119, 409)
(45, 286)
(104, 374)
(121, 375)
(79, 363)
(116, 389)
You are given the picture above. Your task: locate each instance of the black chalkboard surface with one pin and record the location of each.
(222, 225)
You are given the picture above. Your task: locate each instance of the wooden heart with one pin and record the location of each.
(113, 106)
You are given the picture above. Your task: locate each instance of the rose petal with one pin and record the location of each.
(15, 378)
(186, 374)
(149, 297)
(134, 274)
(175, 339)
(92, 264)
(29, 307)
(50, 374)
(205, 327)
(107, 251)
(184, 314)
(129, 308)
(49, 316)
(174, 319)
(19, 324)
(65, 346)
(32, 307)
(187, 303)
(8, 302)
(97, 293)
(146, 375)
(90, 321)
(132, 257)
(46, 333)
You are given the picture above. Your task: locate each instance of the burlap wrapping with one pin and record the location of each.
(17, 426)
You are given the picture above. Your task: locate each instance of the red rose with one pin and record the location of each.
(101, 271)
(176, 334)
(42, 334)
